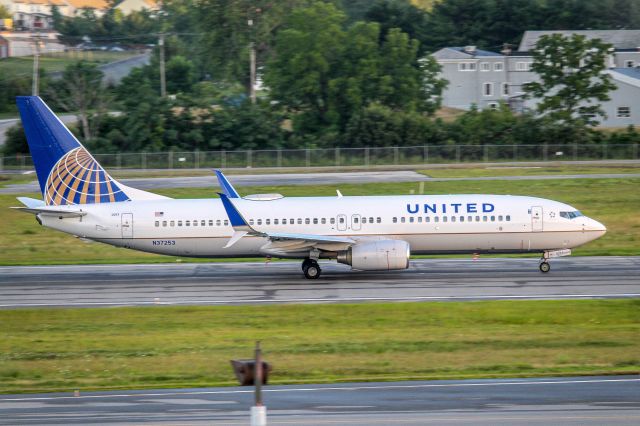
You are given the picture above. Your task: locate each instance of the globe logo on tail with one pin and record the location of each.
(77, 178)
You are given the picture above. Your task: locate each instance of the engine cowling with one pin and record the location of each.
(381, 255)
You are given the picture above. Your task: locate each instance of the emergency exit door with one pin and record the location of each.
(536, 219)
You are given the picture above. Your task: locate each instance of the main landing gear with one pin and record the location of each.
(311, 269)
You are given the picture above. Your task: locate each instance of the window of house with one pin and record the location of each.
(523, 66)
(497, 66)
(493, 105)
(505, 89)
(624, 111)
(583, 111)
(469, 218)
(629, 64)
(485, 66)
(487, 89)
(467, 66)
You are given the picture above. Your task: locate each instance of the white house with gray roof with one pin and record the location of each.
(485, 79)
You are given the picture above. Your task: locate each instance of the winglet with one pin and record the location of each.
(226, 186)
(239, 224)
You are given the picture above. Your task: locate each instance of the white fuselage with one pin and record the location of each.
(429, 223)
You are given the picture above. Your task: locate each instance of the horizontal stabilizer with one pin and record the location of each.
(52, 211)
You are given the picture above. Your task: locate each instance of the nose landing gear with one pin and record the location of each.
(311, 269)
(545, 267)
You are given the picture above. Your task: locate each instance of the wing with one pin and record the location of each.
(281, 242)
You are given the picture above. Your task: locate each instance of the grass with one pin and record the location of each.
(44, 350)
(58, 61)
(615, 202)
(528, 171)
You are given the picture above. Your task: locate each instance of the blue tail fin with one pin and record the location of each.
(67, 173)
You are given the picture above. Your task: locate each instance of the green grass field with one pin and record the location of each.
(614, 202)
(58, 61)
(66, 349)
(528, 171)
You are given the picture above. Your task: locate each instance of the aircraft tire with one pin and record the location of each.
(312, 271)
(545, 267)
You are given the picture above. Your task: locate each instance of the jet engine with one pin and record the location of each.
(377, 255)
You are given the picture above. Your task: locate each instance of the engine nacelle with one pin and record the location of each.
(377, 255)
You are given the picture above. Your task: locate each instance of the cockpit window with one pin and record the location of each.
(571, 215)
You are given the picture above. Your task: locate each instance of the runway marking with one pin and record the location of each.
(311, 389)
(327, 299)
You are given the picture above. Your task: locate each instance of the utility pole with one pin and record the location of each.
(163, 81)
(252, 64)
(36, 65)
(258, 411)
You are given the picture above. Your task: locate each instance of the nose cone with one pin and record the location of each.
(597, 227)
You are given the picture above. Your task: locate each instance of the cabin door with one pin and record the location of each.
(356, 221)
(127, 225)
(536, 219)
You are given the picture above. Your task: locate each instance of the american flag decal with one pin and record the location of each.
(159, 214)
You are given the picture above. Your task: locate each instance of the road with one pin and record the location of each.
(282, 282)
(344, 178)
(548, 401)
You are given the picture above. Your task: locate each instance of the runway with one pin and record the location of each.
(283, 282)
(557, 401)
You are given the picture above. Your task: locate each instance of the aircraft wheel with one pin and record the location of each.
(545, 267)
(312, 271)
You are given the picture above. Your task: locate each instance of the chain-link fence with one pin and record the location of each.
(352, 157)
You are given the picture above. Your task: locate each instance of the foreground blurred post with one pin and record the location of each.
(259, 411)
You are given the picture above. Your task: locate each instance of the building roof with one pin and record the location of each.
(463, 53)
(89, 4)
(620, 39)
(630, 76)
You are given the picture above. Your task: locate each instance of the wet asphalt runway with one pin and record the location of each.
(283, 282)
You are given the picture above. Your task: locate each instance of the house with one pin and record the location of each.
(484, 79)
(23, 43)
(37, 15)
(128, 6)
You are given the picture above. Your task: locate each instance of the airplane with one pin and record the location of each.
(369, 233)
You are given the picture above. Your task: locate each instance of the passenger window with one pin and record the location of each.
(461, 218)
(210, 222)
(379, 220)
(259, 221)
(427, 219)
(299, 221)
(187, 223)
(444, 218)
(469, 218)
(508, 218)
(195, 223)
(499, 218)
(477, 218)
(315, 220)
(323, 220)
(267, 222)
(332, 220)
(226, 222)
(453, 218)
(342, 220)
(355, 220)
(402, 219)
(172, 223)
(275, 221)
(307, 221)
(436, 219)
(395, 220)
(157, 223)
(292, 221)
(218, 222)
(164, 223)
(484, 218)
(179, 223)
(411, 219)
(419, 219)
(493, 218)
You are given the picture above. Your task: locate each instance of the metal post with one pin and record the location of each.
(457, 153)
(515, 152)
(337, 157)
(196, 159)
(258, 375)
(545, 152)
(634, 155)
(1, 164)
(396, 155)
(36, 64)
(425, 154)
(366, 157)
(575, 151)
(308, 157)
(279, 158)
(118, 160)
(143, 160)
(604, 151)
(486, 153)
(249, 154)
(170, 160)
(223, 159)
(163, 81)
(252, 72)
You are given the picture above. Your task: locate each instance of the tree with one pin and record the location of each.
(4, 12)
(80, 90)
(572, 79)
